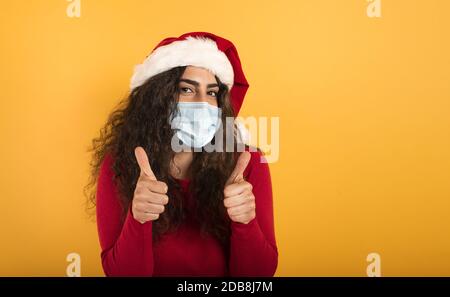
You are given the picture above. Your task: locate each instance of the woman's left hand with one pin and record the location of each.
(238, 196)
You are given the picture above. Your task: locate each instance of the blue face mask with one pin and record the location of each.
(196, 123)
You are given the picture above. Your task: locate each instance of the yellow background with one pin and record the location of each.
(364, 116)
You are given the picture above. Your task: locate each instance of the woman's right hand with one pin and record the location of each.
(150, 197)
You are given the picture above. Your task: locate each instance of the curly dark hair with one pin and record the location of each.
(143, 119)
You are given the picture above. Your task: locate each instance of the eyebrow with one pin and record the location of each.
(195, 83)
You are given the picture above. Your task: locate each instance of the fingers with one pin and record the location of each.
(153, 185)
(238, 172)
(145, 217)
(150, 194)
(238, 196)
(158, 199)
(148, 207)
(242, 209)
(237, 188)
(244, 218)
(144, 193)
(144, 207)
(238, 199)
(144, 212)
(144, 164)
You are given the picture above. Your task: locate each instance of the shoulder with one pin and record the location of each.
(108, 194)
(106, 173)
(106, 164)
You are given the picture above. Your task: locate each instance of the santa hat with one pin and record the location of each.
(201, 49)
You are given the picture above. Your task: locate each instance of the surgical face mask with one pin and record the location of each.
(196, 123)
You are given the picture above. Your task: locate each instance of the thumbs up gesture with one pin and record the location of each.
(238, 196)
(149, 195)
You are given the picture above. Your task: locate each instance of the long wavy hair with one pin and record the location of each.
(143, 119)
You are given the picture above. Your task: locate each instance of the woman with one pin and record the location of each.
(162, 211)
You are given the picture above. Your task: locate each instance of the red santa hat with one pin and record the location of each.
(201, 49)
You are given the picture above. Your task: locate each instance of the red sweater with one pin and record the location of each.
(128, 248)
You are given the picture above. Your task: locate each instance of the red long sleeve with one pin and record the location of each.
(253, 249)
(128, 249)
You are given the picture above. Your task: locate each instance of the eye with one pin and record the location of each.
(212, 93)
(185, 90)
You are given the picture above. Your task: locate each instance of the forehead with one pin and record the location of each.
(199, 74)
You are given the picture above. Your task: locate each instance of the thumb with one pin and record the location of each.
(238, 172)
(144, 164)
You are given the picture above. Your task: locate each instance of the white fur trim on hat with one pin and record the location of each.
(194, 51)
